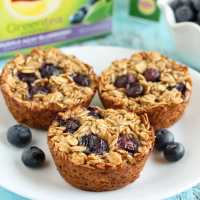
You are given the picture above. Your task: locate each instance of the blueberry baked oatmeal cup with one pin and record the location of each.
(100, 150)
(38, 85)
(149, 83)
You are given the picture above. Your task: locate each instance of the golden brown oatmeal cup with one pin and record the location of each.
(38, 85)
(100, 150)
(149, 83)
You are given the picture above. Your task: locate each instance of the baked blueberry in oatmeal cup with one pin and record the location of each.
(147, 82)
(99, 150)
(38, 85)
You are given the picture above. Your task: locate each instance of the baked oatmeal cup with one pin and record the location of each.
(38, 85)
(149, 83)
(100, 150)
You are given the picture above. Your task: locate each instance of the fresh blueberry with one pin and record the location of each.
(93, 111)
(123, 80)
(38, 90)
(196, 4)
(128, 143)
(19, 135)
(175, 4)
(163, 138)
(27, 77)
(47, 70)
(198, 18)
(174, 152)
(82, 80)
(70, 124)
(185, 2)
(152, 75)
(94, 144)
(184, 14)
(33, 157)
(84, 9)
(77, 17)
(134, 90)
(178, 3)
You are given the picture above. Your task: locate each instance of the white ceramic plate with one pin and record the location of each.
(159, 178)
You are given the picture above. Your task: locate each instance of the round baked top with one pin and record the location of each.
(145, 80)
(49, 77)
(101, 138)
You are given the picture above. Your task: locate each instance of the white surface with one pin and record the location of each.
(186, 35)
(158, 180)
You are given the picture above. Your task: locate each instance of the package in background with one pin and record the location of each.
(30, 23)
(145, 9)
